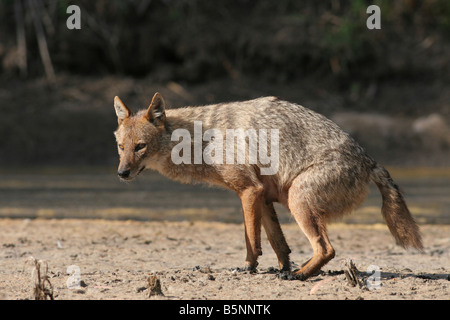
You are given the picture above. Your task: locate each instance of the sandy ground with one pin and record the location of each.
(103, 259)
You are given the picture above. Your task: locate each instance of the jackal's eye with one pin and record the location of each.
(139, 146)
(121, 146)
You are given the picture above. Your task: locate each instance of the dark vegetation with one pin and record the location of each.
(58, 110)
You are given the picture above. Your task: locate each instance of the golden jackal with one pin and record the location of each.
(314, 169)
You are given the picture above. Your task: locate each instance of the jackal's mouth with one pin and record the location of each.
(140, 170)
(132, 177)
(137, 173)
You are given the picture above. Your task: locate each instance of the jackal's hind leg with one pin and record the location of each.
(276, 236)
(312, 222)
(323, 252)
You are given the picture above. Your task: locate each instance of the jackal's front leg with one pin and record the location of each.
(251, 206)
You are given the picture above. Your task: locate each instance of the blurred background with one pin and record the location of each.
(389, 88)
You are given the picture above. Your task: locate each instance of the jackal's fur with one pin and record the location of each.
(322, 172)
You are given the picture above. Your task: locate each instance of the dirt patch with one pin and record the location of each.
(100, 259)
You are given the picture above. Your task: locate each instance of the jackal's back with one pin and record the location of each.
(306, 138)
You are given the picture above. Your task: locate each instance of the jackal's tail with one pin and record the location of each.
(395, 212)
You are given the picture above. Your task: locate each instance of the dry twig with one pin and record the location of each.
(351, 273)
(154, 286)
(43, 289)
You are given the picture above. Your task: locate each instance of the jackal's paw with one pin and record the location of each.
(288, 275)
(250, 266)
(251, 269)
(245, 270)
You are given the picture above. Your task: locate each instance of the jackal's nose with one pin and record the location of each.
(124, 173)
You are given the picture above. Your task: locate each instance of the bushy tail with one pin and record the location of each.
(395, 212)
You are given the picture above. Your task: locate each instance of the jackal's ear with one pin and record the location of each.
(156, 111)
(122, 111)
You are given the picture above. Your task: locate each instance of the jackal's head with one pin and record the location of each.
(138, 136)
